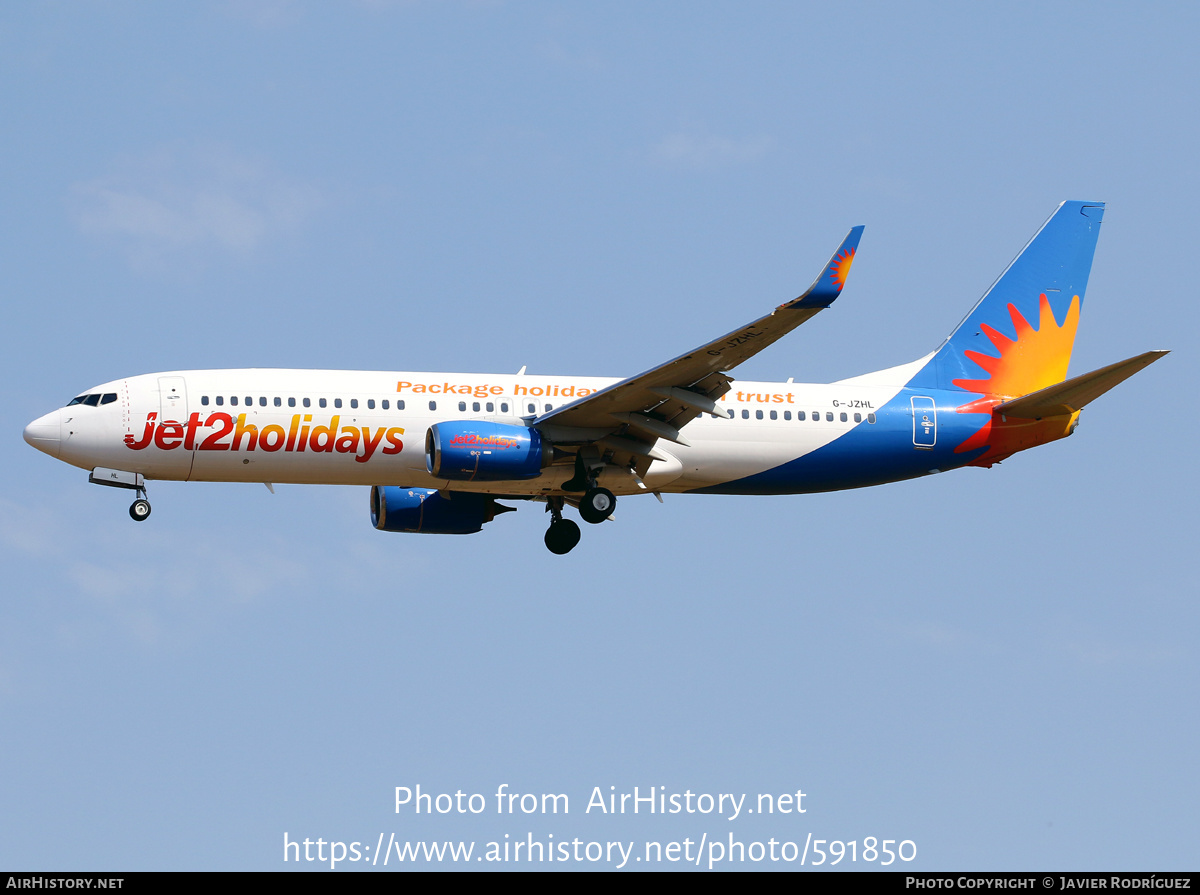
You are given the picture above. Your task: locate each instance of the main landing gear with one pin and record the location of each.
(563, 534)
(596, 505)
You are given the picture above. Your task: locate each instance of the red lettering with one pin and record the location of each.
(189, 440)
(393, 437)
(322, 437)
(369, 443)
(144, 441)
(348, 442)
(291, 440)
(242, 431)
(226, 423)
(271, 438)
(168, 435)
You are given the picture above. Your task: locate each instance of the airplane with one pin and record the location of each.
(440, 450)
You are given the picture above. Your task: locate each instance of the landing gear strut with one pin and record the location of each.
(563, 534)
(139, 510)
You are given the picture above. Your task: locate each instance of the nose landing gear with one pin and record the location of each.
(139, 510)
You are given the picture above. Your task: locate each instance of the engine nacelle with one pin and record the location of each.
(427, 511)
(469, 451)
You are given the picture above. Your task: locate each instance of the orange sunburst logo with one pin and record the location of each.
(1035, 359)
(840, 268)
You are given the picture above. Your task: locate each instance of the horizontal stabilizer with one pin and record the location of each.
(1070, 396)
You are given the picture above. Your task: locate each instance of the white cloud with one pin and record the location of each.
(705, 152)
(168, 203)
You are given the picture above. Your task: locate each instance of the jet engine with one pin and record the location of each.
(430, 512)
(469, 451)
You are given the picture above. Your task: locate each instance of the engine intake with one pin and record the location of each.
(470, 451)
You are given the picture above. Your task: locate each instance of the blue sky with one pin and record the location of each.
(998, 665)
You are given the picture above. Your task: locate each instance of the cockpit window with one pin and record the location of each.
(93, 400)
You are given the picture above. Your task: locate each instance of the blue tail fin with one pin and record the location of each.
(1018, 339)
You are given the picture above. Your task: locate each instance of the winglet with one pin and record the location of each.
(829, 283)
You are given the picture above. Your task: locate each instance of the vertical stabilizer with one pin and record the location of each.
(1019, 337)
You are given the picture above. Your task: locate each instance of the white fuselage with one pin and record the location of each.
(368, 428)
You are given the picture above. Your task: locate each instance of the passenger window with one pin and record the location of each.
(828, 416)
(433, 405)
(462, 406)
(291, 402)
(533, 408)
(278, 402)
(109, 398)
(475, 407)
(321, 402)
(800, 415)
(233, 401)
(262, 402)
(774, 415)
(249, 402)
(399, 405)
(370, 403)
(337, 402)
(490, 407)
(745, 414)
(384, 402)
(758, 414)
(308, 402)
(354, 403)
(787, 414)
(203, 400)
(871, 418)
(842, 417)
(732, 414)
(504, 407)
(858, 417)
(220, 400)
(548, 406)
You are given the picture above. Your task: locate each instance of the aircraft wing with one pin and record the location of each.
(661, 401)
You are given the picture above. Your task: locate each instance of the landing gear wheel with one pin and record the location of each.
(139, 510)
(597, 505)
(562, 536)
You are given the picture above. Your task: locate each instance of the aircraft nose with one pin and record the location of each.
(45, 433)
